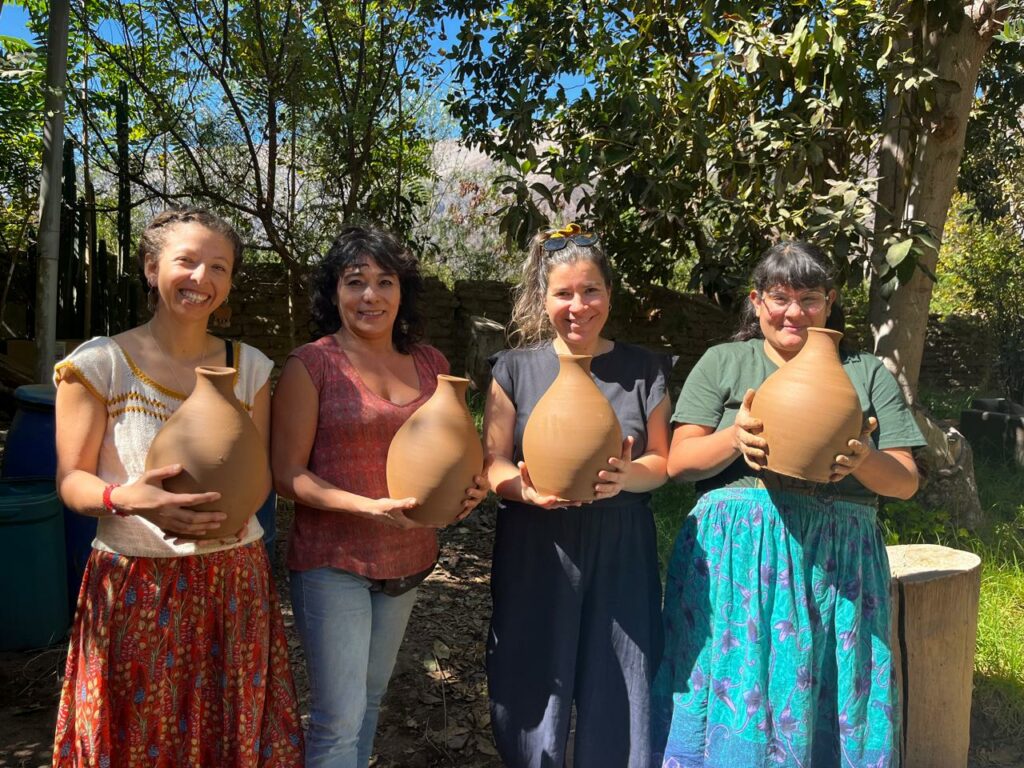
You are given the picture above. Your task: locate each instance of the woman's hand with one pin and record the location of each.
(746, 436)
(201, 544)
(147, 498)
(392, 512)
(476, 494)
(532, 496)
(859, 451)
(613, 480)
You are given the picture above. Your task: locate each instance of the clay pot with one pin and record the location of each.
(435, 455)
(217, 443)
(810, 410)
(571, 433)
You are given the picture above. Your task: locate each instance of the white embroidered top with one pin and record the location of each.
(137, 408)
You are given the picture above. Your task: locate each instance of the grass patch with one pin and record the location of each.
(946, 404)
(999, 655)
(672, 503)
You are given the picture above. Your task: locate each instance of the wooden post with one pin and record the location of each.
(935, 622)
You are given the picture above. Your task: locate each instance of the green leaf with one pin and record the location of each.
(896, 254)
(719, 37)
(752, 61)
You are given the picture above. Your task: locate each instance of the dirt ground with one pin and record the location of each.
(435, 714)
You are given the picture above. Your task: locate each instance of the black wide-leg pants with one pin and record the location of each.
(577, 619)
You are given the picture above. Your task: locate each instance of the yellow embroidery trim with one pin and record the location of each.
(141, 376)
(138, 409)
(136, 396)
(61, 368)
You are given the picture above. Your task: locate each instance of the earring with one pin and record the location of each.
(221, 317)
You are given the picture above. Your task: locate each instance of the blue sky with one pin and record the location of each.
(12, 21)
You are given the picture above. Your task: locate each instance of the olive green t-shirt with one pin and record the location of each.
(714, 391)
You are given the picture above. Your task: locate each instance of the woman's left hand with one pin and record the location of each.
(847, 463)
(223, 541)
(613, 480)
(476, 494)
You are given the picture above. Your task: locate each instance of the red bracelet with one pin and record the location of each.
(108, 503)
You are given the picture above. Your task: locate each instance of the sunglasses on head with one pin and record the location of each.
(557, 239)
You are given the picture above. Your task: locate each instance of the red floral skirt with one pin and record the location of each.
(178, 661)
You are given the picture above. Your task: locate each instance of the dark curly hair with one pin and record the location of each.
(352, 246)
(793, 264)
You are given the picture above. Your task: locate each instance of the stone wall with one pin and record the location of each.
(269, 310)
(958, 354)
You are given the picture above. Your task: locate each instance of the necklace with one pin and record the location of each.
(169, 362)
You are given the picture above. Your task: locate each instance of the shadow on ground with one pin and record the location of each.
(29, 689)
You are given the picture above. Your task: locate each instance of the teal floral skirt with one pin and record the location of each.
(777, 645)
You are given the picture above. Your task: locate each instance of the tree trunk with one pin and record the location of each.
(49, 188)
(125, 272)
(934, 627)
(898, 323)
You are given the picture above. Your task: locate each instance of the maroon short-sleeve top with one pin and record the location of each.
(354, 430)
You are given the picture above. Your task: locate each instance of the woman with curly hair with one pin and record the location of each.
(355, 557)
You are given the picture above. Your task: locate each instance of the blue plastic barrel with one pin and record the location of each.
(31, 451)
(267, 515)
(34, 609)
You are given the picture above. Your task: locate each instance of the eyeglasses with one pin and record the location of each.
(557, 239)
(810, 303)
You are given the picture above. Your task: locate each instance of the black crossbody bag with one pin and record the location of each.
(401, 585)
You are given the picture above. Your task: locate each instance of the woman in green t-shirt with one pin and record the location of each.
(777, 600)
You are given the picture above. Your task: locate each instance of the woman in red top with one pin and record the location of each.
(355, 558)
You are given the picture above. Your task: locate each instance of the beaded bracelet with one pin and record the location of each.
(108, 503)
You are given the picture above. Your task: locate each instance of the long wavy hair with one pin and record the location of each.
(793, 264)
(154, 238)
(530, 324)
(352, 246)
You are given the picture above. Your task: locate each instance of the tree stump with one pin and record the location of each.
(934, 614)
(485, 338)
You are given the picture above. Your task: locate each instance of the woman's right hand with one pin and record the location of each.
(532, 496)
(168, 511)
(392, 512)
(746, 436)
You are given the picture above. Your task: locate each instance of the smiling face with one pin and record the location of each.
(785, 314)
(192, 271)
(368, 299)
(577, 303)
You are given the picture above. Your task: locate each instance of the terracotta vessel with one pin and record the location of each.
(571, 433)
(215, 440)
(435, 455)
(810, 410)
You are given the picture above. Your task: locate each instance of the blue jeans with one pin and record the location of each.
(351, 637)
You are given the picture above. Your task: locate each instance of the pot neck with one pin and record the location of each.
(454, 387)
(820, 341)
(218, 378)
(570, 364)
